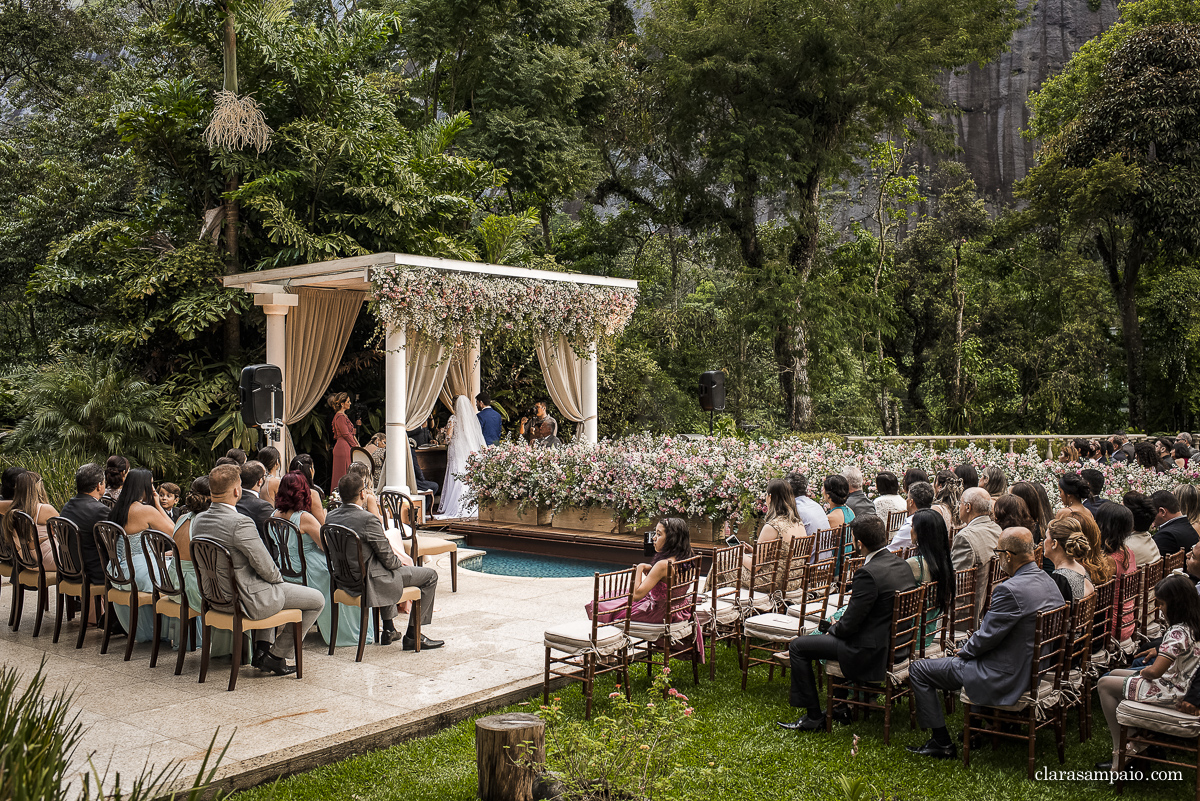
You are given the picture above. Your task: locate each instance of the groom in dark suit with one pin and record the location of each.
(489, 418)
(859, 640)
(386, 577)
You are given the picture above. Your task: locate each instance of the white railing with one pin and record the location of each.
(992, 439)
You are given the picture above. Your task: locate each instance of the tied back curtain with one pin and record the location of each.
(462, 377)
(563, 370)
(318, 329)
(426, 374)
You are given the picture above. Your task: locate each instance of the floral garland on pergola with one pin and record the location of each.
(452, 307)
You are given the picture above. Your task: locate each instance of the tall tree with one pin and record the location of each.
(747, 109)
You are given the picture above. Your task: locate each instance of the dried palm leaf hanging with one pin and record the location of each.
(237, 123)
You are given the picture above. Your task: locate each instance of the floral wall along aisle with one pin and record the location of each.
(644, 477)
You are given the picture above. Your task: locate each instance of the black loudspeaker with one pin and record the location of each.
(712, 391)
(260, 394)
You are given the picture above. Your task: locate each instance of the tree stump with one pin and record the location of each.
(501, 740)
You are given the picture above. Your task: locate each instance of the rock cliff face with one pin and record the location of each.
(992, 100)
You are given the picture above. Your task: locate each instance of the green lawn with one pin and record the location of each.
(754, 758)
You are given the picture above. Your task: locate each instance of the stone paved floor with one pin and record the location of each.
(133, 715)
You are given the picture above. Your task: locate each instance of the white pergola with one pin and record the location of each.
(273, 291)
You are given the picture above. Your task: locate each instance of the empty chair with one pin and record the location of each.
(170, 599)
(32, 573)
(221, 608)
(73, 581)
(394, 503)
(1079, 653)
(1158, 730)
(895, 520)
(715, 612)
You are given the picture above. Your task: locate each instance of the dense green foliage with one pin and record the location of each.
(705, 150)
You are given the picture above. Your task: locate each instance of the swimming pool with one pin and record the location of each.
(531, 565)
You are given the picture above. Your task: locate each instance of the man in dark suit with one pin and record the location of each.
(253, 475)
(261, 588)
(386, 577)
(993, 666)
(859, 640)
(1123, 450)
(85, 511)
(489, 418)
(1172, 531)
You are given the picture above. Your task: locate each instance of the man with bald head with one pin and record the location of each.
(972, 546)
(993, 666)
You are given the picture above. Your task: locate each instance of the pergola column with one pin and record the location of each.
(395, 362)
(474, 385)
(591, 423)
(275, 306)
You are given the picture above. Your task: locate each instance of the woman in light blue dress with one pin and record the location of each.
(139, 508)
(199, 498)
(293, 502)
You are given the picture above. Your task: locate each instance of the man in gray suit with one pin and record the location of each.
(857, 500)
(386, 577)
(261, 588)
(994, 664)
(972, 546)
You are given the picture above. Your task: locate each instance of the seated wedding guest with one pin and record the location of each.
(1122, 448)
(199, 498)
(272, 462)
(85, 511)
(967, 474)
(28, 493)
(421, 436)
(782, 523)
(253, 476)
(1166, 681)
(1164, 447)
(1189, 504)
(993, 666)
(1115, 522)
(834, 492)
(169, 496)
(115, 470)
(1095, 482)
(370, 501)
(237, 455)
(303, 463)
(1172, 532)
(810, 512)
(975, 543)
(1099, 565)
(932, 564)
(377, 447)
(1181, 453)
(672, 543)
(1010, 511)
(994, 482)
(386, 577)
(1146, 456)
(1066, 546)
(859, 639)
(226, 460)
(888, 499)
(920, 496)
(293, 503)
(912, 475)
(8, 485)
(947, 496)
(1145, 549)
(1039, 512)
(489, 418)
(261, 587)
(857, 500)
(1073, 491)
(547, 433)
(139, 508)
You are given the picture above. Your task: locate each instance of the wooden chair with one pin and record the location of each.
(120, 586)
(895, 520)
(820, 581)
(31, 573)
(849, 568)
(1175, 561)
(1151, 624)
(904, 636)
(392, 502)
(168, 583)
(1152, 725)
(995, 575)
(73, 581)
(789, 578)
(1105, 647)
(963, 620)
(719, 615)
(832, 543)
(8, 568)
(282, 533)
(221, 607)
(679, 630)
(108, 501)
(362, 455)
(1079, 654)
(757, 594)
(1041, 705)
(592, 648)
(936, 624)
(1130, 590)
(345, 554)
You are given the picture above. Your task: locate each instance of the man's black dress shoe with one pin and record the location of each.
(1104, 766)
(843, 715)
(806, 723)
(411, 645)
(259, 650)
(270, 663)
(933, 749)
(388, 637)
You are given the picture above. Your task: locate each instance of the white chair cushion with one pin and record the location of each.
(726, 613)
(576, 638)
(1048, 698)
(1160, 719)
(898, 674)
(772, 627)
(653, 632)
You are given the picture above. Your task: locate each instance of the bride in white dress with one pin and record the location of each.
(466, 437)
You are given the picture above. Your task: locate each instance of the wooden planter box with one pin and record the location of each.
(507, 513)
(703, 529)
(597, 519)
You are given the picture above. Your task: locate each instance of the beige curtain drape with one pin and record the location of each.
(563, 370)
(461, 377)
(426, 376)
(318, 329)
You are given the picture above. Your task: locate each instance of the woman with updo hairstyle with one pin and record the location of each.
(1065, 546)
(994, 481)
(1116, 525)
(834, 492)
(1073, 490)
(1189, 504)
(1099, 565)
(115, 471)
(888, 500)
(302, 463)
(948, 490)
(343, 435)
(272, 461)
